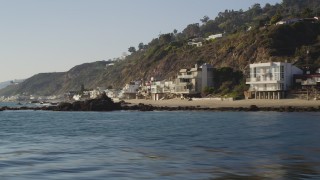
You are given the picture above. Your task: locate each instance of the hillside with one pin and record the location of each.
(250, 36)
(4, 84)
(59, 83)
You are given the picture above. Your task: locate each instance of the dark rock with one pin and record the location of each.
(253, 108)
(64, 106)
(288, 109)
(49, 108)
(77, 106)
(103, 105)
(311, 109)
(143, 107)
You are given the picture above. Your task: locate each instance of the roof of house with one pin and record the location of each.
(183, 70)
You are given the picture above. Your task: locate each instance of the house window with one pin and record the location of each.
(189, 86)
(184, 80)
(282, 72)
(254, 72)
(281, 86)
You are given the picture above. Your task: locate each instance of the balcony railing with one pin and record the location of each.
(309, 82)
(265, 89)
(251, 80)
(262, 80)
(182, 91)
(185, 76)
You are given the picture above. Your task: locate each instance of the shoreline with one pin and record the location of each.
(229, 104)
(283, 105)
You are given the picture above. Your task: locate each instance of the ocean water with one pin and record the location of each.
(159, 145)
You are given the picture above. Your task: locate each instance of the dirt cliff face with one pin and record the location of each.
(274, 43)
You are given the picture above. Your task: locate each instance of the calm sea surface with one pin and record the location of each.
(159, 145)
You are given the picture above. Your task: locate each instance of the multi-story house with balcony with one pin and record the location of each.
(160, 88)
(130, 90)
(310, 82)
(271, 80)
(194, 80)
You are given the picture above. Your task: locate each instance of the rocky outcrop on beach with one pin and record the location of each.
(102, 103)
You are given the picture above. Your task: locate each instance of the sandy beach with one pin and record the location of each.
(235, 104)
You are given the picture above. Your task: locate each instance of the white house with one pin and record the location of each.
(160, 88)
(271, 80)
(94, 93)
(76, 97)
(112, 93)
(288, 21)
(198, 44)
(214, 36)
(110, 64)
(131, 89)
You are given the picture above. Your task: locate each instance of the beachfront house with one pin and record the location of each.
(94, 93)
(308, 80)
(207, 76)
(303, 81)
(271, 80)
(112, 93)
(194, 80)
(130, 90)
(159, 89)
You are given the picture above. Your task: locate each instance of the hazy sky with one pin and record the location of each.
(55, 35)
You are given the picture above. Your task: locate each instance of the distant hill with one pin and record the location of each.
(59, 83)
(249, 36)
(4, 84)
